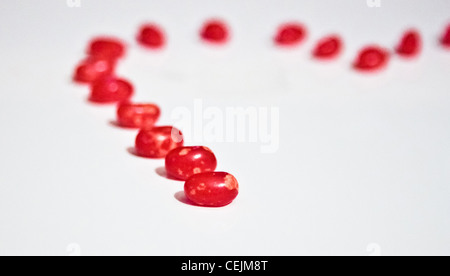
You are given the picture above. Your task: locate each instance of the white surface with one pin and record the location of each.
(363, 163)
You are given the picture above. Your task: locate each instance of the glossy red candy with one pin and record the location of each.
(445, 40)
(372, 58)
(111, 90)
(183, 162)
(106, 47)
(410, 44)
(213, 189)
(328, 47)
(290, 34)
(158, 141)
(151, 36)
(137, 115)
(215, 31)
(92, 69)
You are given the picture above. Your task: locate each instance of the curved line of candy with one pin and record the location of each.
(410, 45)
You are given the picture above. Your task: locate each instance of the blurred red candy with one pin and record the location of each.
(92, 69)
(410, 44)
(134, 115)
(151, 36)
(215, 31)
(328, 47)
(290, 34)
(445, 40)
(372, 58)
(111, 90)
(105, 47)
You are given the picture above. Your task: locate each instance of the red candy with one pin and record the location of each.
(215, 31)
(151, 36)
(133, 115)
(213, 189)
(158, 141)
(328, 48)
(92, 69)
(290, 34)
(445, 40)
(111, 90)
(410, 45)
(183, 162)
(372, 58)
(106, 48)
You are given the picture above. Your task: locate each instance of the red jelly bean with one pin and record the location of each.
(328, 47)
(111, 90)
(92, 69)
(158, 141)
(107, 48)
(151, 36)
(133, 115)
(372, 58)
(445, 40)
(215, 31)
(290, 34)
(183, 162)
(213, 189)
(410, 44)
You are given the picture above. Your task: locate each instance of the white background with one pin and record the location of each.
(363, 162)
